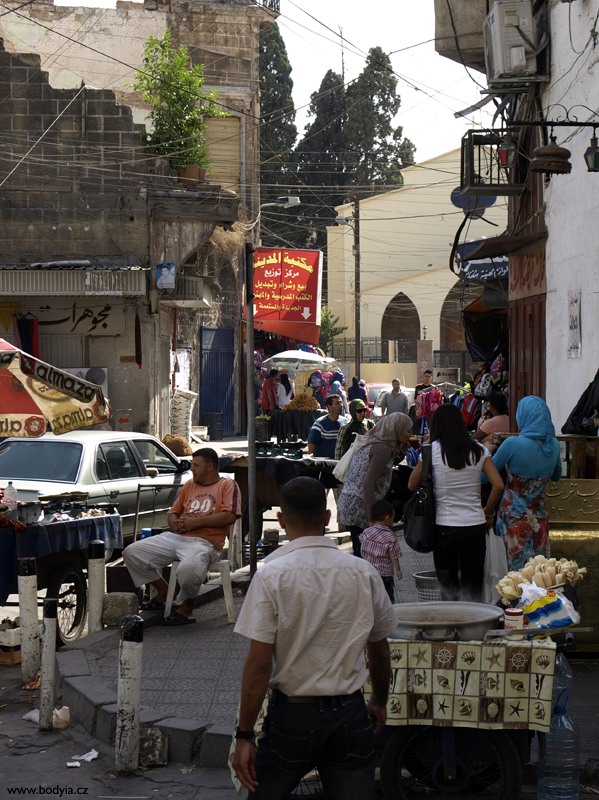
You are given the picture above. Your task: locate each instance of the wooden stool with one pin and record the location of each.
(218, 566)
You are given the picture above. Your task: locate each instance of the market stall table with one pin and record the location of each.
(292, 425)
(272, 472)
(60, 549)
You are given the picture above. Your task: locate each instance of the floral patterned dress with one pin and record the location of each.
(522, 519)
(351, 509)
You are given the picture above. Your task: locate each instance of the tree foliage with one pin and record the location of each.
(179, 103)
(329, 328)
(277, 129)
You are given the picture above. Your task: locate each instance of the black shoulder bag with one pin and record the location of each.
(419, 511)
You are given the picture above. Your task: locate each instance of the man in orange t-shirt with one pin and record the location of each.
(199, 520)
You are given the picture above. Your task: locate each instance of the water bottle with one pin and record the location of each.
(11, 497)
(558, 769)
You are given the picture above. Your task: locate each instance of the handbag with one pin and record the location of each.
(495, 566)
(419, 511)
(341, 470)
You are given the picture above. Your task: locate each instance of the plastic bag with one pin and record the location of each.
(341, 470)
(546, 608)
(495, 566)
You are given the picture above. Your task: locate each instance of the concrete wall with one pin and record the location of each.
(572, 209)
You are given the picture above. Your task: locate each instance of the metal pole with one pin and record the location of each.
(251, 405)
(358, 334)
(47, 689)
(128, 694)
(30, 626)
(96, 584)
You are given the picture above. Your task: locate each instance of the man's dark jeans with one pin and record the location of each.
(333, 734)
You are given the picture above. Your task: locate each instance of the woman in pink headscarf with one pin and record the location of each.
(369, 475)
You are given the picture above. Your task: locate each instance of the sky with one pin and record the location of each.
(431, 87)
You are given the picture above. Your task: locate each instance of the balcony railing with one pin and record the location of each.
(271, 5)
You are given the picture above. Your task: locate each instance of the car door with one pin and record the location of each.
(158, 493)
(119, 473)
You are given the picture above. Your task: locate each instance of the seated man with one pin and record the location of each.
(199, 520)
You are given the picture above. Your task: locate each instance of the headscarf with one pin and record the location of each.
(355, 426)
(534, 422)
(387, 431)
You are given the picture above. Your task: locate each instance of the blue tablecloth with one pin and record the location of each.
(56, 537)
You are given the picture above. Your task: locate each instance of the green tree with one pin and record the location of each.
(277, 111)
(179, 103)
(375, 150)
(329, 328)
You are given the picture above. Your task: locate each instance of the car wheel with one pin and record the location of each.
(67, 584)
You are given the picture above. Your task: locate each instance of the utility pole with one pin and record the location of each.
(358, 336)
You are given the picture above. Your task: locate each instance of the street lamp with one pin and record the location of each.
(354, 223)
(282, 202)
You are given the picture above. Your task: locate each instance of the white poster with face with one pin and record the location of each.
(574, 330)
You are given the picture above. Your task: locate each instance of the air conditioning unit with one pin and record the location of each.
(510, 42)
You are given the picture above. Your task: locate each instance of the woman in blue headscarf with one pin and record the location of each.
(531, 460)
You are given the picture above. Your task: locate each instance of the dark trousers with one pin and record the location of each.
(459, 555)
(355, 531)
(389, 586)
(332, 734)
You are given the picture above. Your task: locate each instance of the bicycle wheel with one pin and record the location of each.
(67, 585)
(415, 760)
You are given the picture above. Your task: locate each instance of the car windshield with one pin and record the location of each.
(40, 460)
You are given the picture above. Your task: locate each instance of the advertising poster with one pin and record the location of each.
(574, 334)
(287, 292)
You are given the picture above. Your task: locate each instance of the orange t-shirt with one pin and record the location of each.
(497, 424)
(224, 495)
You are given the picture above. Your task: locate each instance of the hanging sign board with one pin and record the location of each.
(287, 292)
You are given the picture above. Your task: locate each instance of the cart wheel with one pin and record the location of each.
(67, 585)
(486, 764)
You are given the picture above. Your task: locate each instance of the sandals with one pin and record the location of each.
(176, 619)
(152, 605)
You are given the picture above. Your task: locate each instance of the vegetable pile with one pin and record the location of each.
(302, 402)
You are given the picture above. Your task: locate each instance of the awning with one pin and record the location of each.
(480, 269)
(505, 244)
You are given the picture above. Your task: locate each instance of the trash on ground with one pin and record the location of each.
(32, 716)
(61, 718)
(73, 764)
(87, 756)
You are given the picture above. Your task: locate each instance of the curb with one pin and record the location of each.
(93, 704)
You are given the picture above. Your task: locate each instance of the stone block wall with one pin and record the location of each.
(76, 194)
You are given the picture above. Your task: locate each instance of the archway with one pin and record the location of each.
(401, 324)
(452, 329)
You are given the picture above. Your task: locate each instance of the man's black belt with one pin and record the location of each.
(335, 699)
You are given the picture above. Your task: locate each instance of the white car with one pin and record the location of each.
(107, 465)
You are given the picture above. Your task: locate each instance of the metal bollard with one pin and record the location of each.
(47, 690)
(96, 584)
(30, 631)
(128, 694)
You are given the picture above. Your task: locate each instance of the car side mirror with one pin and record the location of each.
(183, 466)
(152, 472)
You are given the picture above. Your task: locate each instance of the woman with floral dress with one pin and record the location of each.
(531, 460)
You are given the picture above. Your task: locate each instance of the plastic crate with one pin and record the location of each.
(427, 586)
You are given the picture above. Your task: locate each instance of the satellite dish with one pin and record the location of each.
(472, 205)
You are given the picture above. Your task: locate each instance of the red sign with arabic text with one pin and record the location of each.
(287, 285)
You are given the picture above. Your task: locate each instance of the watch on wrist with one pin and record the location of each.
(245, 735)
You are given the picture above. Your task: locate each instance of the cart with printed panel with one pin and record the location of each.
(459, 715)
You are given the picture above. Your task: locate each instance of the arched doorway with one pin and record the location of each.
(401, 324)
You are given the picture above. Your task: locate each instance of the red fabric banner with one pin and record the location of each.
(287, 292)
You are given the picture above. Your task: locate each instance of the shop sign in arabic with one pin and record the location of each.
(95, 318)
(287, 285)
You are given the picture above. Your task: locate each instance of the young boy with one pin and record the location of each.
(379, 545)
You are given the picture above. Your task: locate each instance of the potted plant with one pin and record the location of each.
(174, 89)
